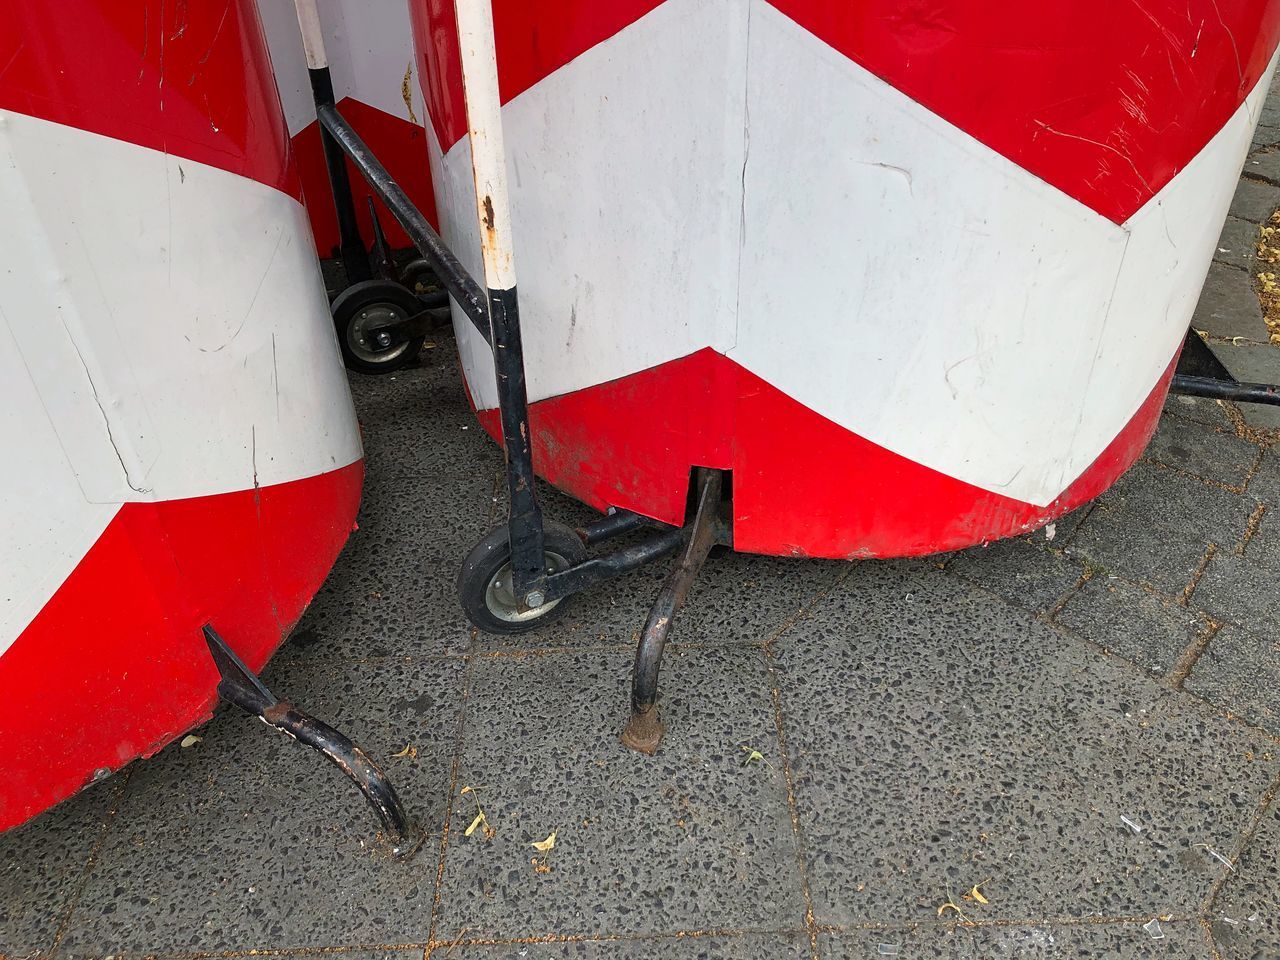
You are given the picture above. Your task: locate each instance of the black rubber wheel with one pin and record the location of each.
(484, 582)
(365, 305)
(418, 276)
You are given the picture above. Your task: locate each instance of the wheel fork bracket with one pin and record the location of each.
(240, 686)
(644, 728)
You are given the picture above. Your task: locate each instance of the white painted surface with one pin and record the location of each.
(164, 333)
(896, 276)
(625, 181)
(369, 44)
(479, 63)
(312, 34)
(921, 290)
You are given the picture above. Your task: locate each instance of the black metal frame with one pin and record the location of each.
(1201, 374)
(495, 314)
(240, 686)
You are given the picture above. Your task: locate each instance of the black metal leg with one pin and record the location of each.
(644, 729)
(354, 258)
(528, 563)
(240, 686)
(1201, 374)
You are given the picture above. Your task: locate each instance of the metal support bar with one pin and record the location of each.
(1266, 393)
(351, 245)
(599, 569)
(644, 728)
(613, 525)
(240, 686)
(452, 275)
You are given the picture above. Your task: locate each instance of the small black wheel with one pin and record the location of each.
(418, 276)
(484, 583)
(357, 313)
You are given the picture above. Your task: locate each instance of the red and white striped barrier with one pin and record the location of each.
(917, 277)
(178, 439)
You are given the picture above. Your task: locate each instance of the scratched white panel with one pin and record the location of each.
(369, 45)
(171, 316)
(912, 285)
(625, 175)
(46, 525)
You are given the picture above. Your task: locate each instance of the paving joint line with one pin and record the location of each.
(1242, 843)
(1190, 656)
(108, 821)
(455, 767)
(906, 926)
(1189, 590)
(1250, 528)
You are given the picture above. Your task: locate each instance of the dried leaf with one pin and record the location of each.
(753, 756)
(948, 906)
(474, 824)
(409, 751)
(542, 846)
(976, 894)
(190, 740)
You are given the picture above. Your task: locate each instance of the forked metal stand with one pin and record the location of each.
(240, 686)
(1201, 374)
(521, 574)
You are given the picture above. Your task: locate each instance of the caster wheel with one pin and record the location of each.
(418, 276)
(484, 583)
(357, 313)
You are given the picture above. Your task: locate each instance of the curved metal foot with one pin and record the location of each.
(240, 686)
(644, 729)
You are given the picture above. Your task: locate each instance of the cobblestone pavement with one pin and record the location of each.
(1062, 746)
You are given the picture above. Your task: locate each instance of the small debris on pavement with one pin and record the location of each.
(1130, 824)
(1051, 531)
(976, 894)
(544, 847)
(887, 949)
(1153, 928)
(753, 756)
(1217, 856)
(480, 821)
(190, 740)
(409, 751)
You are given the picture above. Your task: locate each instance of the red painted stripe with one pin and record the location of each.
(533, 39)
(1105, 99)
(191, 79)
(802, 485)
(114, 666)
(401, 146)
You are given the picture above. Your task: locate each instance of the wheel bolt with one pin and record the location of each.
(535, 598)
(384, 339)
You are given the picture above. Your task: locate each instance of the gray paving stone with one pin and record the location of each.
(1265, 484)
(1251, 898)
(1265, 136)
(249, 841)
(1019, 572)
(41, 865)
(1263, 163)
(1240, 672)
(1113, 941)
(418, 421)
(1241, 590)
(743, 947)
(1132, 622)
(1211, 413)
(1212, 454)
(960, 740)
(1237, 244)
(1155, 525)
(1253, 363)
(1254, 201)
(1229, 306)
(689, 839)
(393, 591)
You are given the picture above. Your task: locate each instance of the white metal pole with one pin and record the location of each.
(484, 129)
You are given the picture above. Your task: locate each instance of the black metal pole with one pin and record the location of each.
(1190, 386)
(354, 258)
(453, 276)
(528, 564)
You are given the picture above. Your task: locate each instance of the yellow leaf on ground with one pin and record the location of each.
(542, 846)
(474, 824)
(977, 894)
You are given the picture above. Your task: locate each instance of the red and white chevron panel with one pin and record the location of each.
(177, 441)
(370, 50)
(918, 274)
